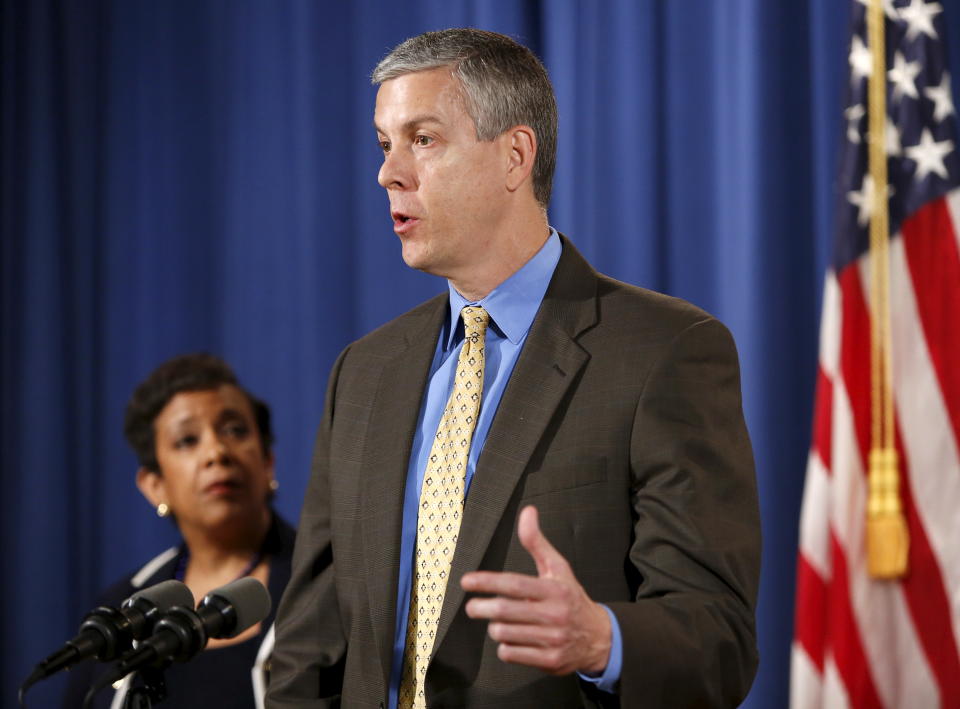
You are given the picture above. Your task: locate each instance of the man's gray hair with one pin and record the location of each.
(504, 85)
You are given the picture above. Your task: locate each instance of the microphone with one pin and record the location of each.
(183, 632)
(106, 633)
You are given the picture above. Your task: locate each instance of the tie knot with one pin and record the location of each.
(475, 321)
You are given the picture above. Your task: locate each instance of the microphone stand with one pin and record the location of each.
(153, 691)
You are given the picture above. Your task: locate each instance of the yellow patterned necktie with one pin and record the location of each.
(441, 507)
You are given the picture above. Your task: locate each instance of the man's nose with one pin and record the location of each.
(396, 172)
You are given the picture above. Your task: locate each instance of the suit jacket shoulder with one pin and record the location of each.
(401, 328)
(618, 304)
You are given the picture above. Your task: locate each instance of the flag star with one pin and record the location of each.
(893, 138)
(940, 95)
(903, 76)
(865, 200)
(853, 115)
(919, 18)
(861, 61)
(929, 155)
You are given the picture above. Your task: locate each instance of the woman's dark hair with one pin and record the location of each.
(191, 372)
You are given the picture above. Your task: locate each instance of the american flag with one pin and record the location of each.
(861, 642)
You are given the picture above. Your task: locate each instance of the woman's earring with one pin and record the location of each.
(163, 509)
(274, 485)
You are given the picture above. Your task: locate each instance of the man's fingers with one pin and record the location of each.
(550, 660)
(504, 583)
(527, 634)
(548, 560)
(545, 621)
(504, 610)
(553, 613)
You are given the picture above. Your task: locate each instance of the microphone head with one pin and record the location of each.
(247, 597)
(164, 595)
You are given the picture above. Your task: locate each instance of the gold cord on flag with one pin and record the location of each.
(887, 538)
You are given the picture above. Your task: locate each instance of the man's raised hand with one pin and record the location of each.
(545, 621)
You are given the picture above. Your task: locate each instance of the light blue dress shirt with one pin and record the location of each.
(512, 307)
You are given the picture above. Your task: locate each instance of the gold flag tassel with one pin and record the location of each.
(887, 537)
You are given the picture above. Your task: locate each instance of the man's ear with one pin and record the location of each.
(522, 150)
(151, 486)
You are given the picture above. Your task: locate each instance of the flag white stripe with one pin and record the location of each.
(928, 438)
(848, 489)
(834, 693)
(953, 206)
(893, 650)
(814, 534)
(830, 323)
(805, 685)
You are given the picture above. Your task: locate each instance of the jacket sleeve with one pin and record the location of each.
(689, 637)
(307, 663)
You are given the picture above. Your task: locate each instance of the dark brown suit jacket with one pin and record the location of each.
(622, 423)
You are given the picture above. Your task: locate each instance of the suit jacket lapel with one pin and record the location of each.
(386, 455)
(548, 364)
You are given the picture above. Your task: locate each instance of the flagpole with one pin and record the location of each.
(887, 537)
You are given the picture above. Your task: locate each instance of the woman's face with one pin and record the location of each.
(214, 472)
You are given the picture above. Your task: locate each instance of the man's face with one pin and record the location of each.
(447, 189)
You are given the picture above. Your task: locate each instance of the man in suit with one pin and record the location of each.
(537, 489)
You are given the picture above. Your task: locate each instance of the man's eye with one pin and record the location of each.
(384, 146)
(422, 140)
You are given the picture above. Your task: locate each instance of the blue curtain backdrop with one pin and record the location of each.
(187, 175)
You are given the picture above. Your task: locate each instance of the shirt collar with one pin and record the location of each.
(513, 304)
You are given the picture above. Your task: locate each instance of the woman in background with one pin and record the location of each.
(204, 445)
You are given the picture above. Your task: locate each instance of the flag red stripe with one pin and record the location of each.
(926, 597)
(823, 418)
(855, 354)
(811, 630)
(930, 243)
(844, 637)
